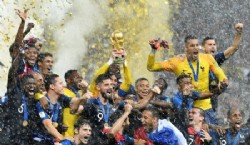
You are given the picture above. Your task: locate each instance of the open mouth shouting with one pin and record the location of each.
(85, 139)
(49, 70)
(190, 120)
(195, 54)
(31, 91)
(237, 124)
(109, 92)
(212, 52)
(144, 93)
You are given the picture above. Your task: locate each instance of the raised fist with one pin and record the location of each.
(239, 27)
(157, 43)
(118, 55)
(164, 44)
(128, 108)
(30, 25)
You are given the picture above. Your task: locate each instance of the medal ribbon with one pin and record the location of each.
(196, 75)
(211, 75)
(25, 111)
(54, 109)
(105, 114)
(75, 91)
(236, 140)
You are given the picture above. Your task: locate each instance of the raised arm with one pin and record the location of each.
(76, 104)
(101, 70)
(125, 85)
(158, 66)
(234, 47)
(14, 49)
(29, 27)
(119, 123)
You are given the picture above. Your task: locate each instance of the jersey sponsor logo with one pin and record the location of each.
(183, 72)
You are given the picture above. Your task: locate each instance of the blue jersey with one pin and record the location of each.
(54, 113)
(99, 114)
(123, 93)
(231, 138)
(12, 118)
(181, 105)
(67, 142)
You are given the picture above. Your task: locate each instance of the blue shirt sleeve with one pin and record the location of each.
(123, 93)
(88, 107)
(3, 100)
(66, 142)
(65, 101)
(195, 95)
(128, 139)
(177, 100)
(220, 58)
(42, 114)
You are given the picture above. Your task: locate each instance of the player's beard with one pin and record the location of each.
(108, 94)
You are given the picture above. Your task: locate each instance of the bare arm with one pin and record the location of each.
(29, 27)
(14, 49)
(144, 102)
(205, 95)
(119, 123)
(234, 47)
(76, 103)
(51, 129)
(162, 104)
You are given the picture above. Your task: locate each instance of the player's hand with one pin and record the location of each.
(156, 89)
(128, 108)
(155, 44)
(164, 44)
(205, 136)
(22, 14)
(224, 84)
(44, 103)
(239, 27)
(139, 142)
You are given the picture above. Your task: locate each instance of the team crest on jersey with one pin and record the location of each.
(202, 68)
(183, 72)
(42, 114)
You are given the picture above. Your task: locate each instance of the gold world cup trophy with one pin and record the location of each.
(118, 52)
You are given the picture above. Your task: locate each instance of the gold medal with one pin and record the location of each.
(213, 82)
(55, 124)
(196, 84)
(106, 125)
(25, 123)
